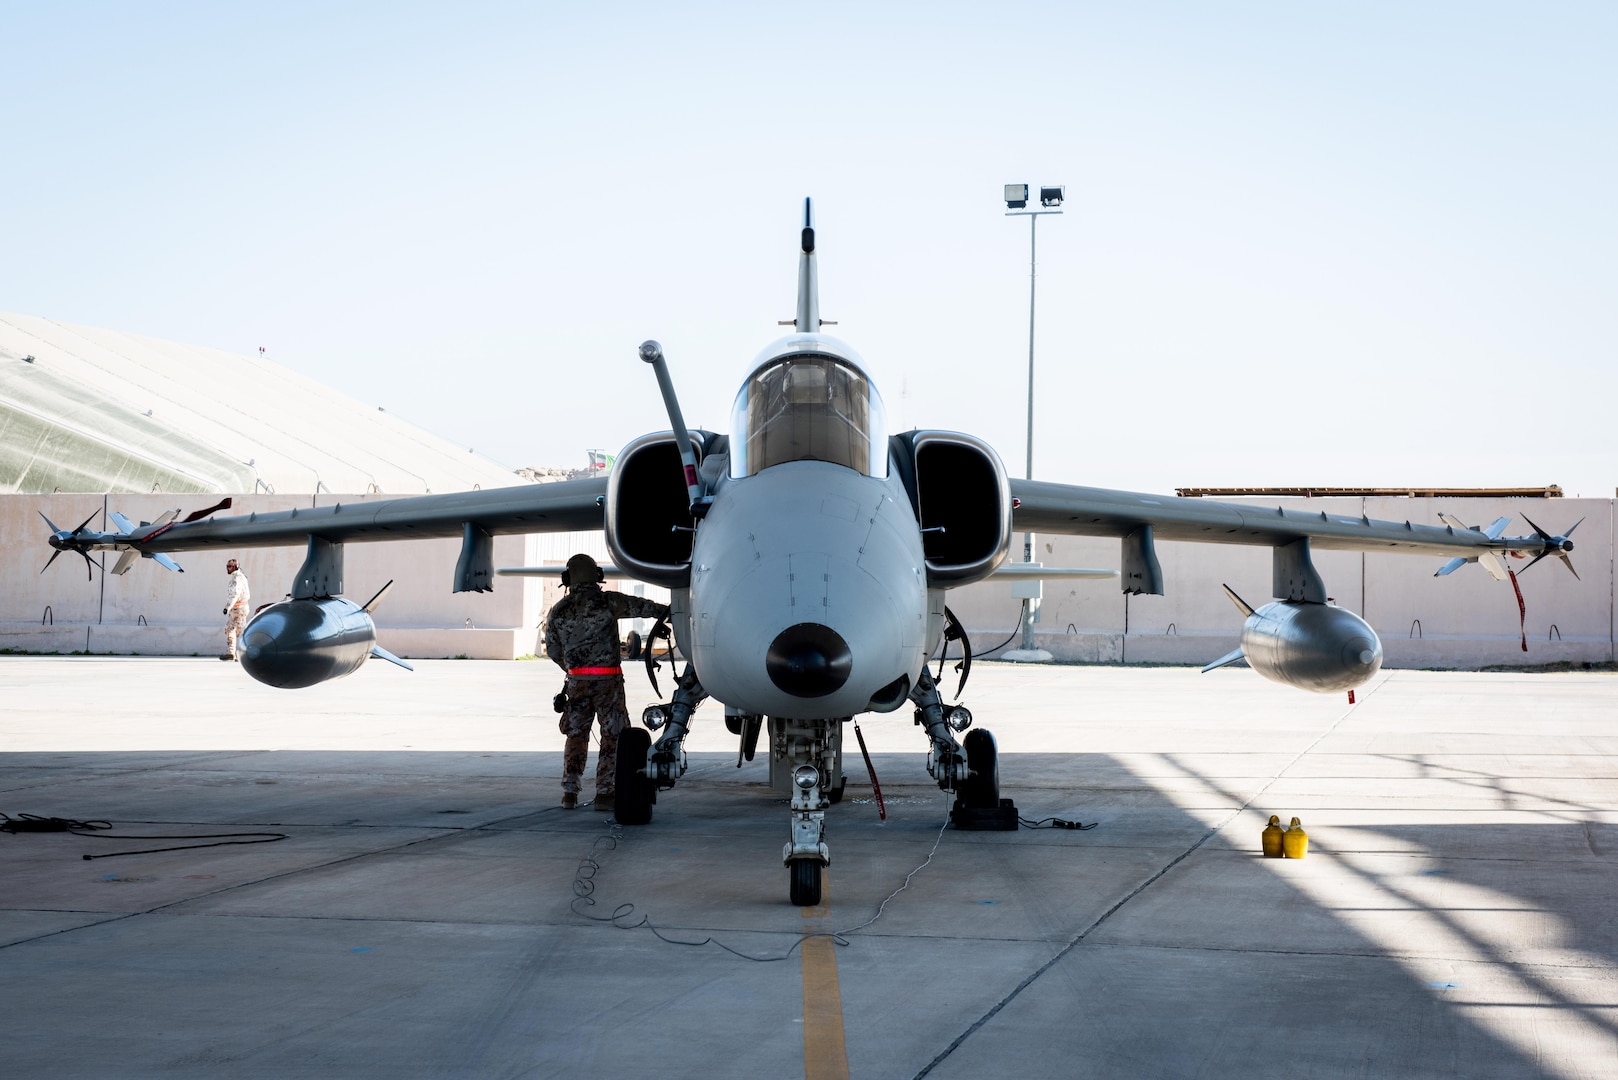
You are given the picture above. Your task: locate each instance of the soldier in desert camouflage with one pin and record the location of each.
(581, 635)
(236, 597)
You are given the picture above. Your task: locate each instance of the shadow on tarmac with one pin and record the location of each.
(420, 921)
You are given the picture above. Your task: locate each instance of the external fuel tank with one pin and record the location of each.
(1319, 647)
(298, 643)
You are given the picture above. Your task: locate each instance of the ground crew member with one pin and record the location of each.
(235, 608)
(581, 635)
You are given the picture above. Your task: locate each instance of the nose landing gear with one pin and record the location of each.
(806, 750)
(805, 888)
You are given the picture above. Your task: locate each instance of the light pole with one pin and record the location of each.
(1016, 200)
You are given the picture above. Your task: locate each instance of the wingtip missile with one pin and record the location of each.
(63, 540)
(1559, 546)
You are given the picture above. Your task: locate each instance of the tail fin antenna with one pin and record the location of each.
(808, 318)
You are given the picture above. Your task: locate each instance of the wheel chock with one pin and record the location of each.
(1002, 818)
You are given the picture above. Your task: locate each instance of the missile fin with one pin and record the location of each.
(371, 603)
(1229, 658)
(1242, 605)
(382, 654)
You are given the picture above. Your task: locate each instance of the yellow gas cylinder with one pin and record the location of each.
(1272, 838)
(1295, 842)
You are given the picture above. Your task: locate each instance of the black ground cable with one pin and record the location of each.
(97, 829)
(981, 654)
(1055, 823)
(220, 840)
(36, 823)
(984, 653)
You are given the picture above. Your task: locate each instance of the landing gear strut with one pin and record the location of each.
(946, 761)
(807, 751)
(972, 772)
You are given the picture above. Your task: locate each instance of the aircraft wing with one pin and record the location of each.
(1069, 510)
(555, 570)
(569, 506)
(1032, 571)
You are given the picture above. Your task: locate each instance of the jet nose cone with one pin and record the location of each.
(809, 660)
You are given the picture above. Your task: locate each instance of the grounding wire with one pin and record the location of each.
(590, 865)
(97, 829)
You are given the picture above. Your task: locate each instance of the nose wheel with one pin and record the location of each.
(806, 877)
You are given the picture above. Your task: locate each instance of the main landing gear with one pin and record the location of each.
(645, 768)
(971, 771)
(807, 756)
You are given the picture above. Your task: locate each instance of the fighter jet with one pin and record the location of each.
(809, 552)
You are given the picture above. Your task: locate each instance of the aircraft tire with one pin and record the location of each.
(632, 645)
(805, 888)
(982, 790)
(634, 792)
(836, 793)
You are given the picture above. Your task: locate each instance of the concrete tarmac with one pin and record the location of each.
(431, 913)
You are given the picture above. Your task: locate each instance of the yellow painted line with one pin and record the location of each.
(824, 1055)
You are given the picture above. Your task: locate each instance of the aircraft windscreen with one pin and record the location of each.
(808, 408)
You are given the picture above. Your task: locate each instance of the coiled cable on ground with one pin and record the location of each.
(98, 829)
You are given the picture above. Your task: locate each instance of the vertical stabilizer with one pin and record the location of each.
(808, 319)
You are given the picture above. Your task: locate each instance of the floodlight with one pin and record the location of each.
(1016, 196)
(1050, 196)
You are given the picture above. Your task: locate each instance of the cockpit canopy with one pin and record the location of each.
(808, 406)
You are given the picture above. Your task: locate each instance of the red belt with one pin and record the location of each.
(614, 670)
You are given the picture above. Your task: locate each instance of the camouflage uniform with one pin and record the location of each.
(235, 610)
(581, 635)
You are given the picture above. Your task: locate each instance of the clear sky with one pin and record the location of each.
(1368, 243)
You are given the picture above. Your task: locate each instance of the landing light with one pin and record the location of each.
(806, 776)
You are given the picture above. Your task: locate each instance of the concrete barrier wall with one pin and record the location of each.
(1463, 620)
